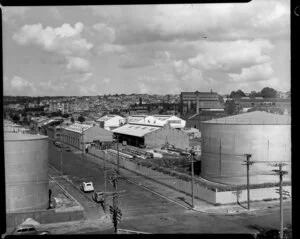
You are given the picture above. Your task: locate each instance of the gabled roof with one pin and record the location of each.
(108, 117)
(78, 128)
(252, 118)
(135, 130)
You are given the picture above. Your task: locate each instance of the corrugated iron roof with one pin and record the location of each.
(256, 117)
(78, 128)
(135, 130)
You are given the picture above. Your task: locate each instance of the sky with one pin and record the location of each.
(146, 49)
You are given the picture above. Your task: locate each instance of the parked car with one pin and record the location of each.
(28, 230)
(67, 148)
(98, 197)
(87, 187)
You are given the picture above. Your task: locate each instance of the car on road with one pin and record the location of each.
(28, 230)
(98, 197)
(87, 187)
(67, 148)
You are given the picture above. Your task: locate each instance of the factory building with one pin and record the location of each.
(26, 172)
(194, 102)
(82, 135)
(157, 120)
(225, 141)
(152, 136)
(110, 122)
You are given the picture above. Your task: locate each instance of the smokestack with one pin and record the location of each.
(197, 102)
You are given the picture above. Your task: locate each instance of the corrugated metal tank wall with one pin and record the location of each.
(224, 145)
(26, 174)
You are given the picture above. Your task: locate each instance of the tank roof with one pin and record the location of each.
(253, 118)
(20, 137)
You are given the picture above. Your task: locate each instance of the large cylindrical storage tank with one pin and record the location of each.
(26, 172)
(225, 141)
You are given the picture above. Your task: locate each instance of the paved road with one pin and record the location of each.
(134, 202)
(145, 211)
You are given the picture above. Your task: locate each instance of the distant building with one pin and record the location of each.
(194, 102)
(157, 120)
(81, 135)
(284, 104)
(110, 122)
(151, 136)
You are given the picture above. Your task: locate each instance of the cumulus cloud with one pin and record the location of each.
(253, 73)
(77, 64)
(110, 48)
(11, 13)
(139, 24)
(105, 33)
(89, 90)
(64, 40)
(107, 80)
(228, 55)
(19, 86)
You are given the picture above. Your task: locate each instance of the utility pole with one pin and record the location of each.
(61, 162)
(280, 172)
(192, 162)
(114, 210)
(105, 169)
(118, 154)
(82, 142)
(248, 163)
(191, 155)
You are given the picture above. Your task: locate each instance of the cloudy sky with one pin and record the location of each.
(154, 49)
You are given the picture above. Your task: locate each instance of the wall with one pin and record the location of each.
(45, 216)
(72, 138)
(26, 174)
(97, 133)
(174, 137)
(224, 145)
(255, 194)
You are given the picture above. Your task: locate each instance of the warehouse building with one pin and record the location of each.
(110, 122)
(194, 102)
(26, 172)
(157, 120)
(225, 141)
(82, 135)
(152, 136)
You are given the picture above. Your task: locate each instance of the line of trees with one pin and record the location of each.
(266, 92)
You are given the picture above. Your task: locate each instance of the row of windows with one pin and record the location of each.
(71, 140)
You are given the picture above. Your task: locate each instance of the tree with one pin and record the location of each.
(254, 94)
(268, 92)
(65, 115)
(16, 118)
(81, 119)
(230, 107)
(237, 94)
